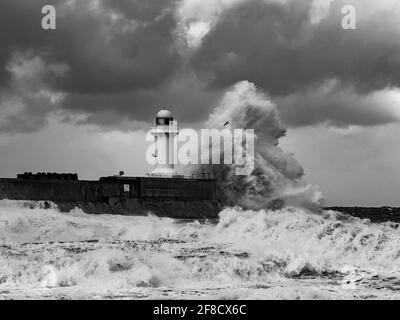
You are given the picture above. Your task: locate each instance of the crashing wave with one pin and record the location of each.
(247, 250)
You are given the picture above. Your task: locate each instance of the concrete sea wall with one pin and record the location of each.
(175, 198)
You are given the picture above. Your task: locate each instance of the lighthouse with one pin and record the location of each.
(164, 132)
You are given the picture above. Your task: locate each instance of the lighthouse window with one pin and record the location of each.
(163, 121)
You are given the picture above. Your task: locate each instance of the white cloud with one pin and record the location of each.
(319, 10)
(197, 17)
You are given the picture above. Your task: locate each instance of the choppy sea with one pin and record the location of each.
(287, 254)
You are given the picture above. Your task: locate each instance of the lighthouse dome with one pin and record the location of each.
(166, 114)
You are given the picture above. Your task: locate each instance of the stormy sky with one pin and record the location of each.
(81, 97)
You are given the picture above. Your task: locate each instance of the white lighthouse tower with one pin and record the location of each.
(164, 132)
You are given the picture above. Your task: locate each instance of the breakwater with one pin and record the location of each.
(165, 197)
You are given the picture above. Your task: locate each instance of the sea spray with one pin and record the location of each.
(277, 177)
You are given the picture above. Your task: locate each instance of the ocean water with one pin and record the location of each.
(287, 254)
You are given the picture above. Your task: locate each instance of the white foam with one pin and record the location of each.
(280, 247)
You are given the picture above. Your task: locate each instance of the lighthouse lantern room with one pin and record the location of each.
(164, 132)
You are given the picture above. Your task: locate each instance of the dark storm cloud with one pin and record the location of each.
(339, 106)
(123, 60)
(111, 51)
(18, 29)
(104, 53)
(107, 56)
(140, 10)
(184, 95)
(277, 47)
